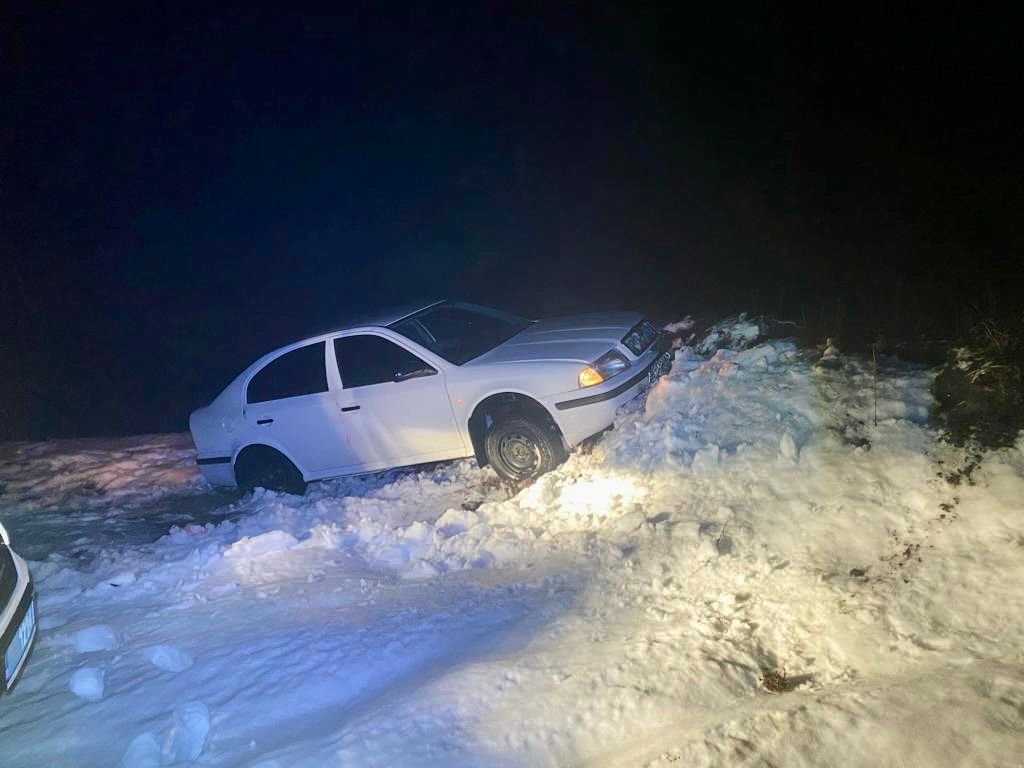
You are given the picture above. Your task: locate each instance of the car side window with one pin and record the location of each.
(366, 360)
(299, 372)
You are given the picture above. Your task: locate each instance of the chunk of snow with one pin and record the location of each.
(734, 333)
(685, 324)
(187, 737)
(168, 657)
(705, 459)
(87, 683)
(264, 544)
(143, 752)
(99, 637)
(787, 446)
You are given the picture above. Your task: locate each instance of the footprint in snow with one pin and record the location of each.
(169, 658)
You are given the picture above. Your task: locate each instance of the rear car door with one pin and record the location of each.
(394, 403)
(288, 406)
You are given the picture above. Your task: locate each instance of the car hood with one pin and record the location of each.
(576, 338)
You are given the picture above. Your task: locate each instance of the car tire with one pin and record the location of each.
(521, 449)
(268, 469)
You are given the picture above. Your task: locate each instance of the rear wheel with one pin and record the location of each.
(263, 467)
(519, 448)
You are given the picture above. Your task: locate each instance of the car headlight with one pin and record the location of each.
(609, 364)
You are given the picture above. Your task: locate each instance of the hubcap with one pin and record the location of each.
(519, 453)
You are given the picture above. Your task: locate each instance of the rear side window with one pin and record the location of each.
(366, 360)
(299, 372)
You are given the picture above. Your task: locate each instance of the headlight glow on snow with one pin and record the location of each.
(601, 495)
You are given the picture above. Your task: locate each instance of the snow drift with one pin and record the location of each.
(747, 570)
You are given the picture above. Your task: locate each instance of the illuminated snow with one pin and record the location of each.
(619, 612)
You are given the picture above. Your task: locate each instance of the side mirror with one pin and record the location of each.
(419, 373)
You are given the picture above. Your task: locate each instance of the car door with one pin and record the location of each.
(394, 403)
(288, 406)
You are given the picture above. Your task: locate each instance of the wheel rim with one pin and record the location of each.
(519, 453)
(279, 478)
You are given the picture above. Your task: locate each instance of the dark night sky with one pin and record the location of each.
(182, 189)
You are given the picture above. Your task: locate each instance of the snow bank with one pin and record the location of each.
(747, 570)
(734, 333)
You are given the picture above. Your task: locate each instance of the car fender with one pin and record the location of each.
(466, 415)
(270, 444)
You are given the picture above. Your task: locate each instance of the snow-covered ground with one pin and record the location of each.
(747, 527)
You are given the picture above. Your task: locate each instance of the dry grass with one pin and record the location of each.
(776, 681)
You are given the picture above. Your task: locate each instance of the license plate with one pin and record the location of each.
(660, 367)
(19, 643)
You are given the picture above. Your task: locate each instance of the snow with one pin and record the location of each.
(97, 472)
(733, 333)
(679, 326)
(87, 683)
(96, 638)
(747, 518)
(169, 658)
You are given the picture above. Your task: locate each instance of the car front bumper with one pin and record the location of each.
(584, 416)
(18, 628)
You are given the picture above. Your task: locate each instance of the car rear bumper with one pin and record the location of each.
(582, 417)
(12, 615)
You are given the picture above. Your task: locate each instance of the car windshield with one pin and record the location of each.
(459, 332)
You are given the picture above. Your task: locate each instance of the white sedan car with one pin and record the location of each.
(17, 613)
(442, 381)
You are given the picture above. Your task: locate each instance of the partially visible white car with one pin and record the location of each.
(17, 613)
(441, 381)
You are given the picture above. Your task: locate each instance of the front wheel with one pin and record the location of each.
(521, 449)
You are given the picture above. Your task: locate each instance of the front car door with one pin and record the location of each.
(393, 403)
(288, 406)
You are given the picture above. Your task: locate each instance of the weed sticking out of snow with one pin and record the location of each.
(979, 393)
(776, 681)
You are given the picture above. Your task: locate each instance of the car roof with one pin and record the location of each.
(389, 316)
(380, 318)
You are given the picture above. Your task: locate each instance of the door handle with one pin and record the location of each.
(347, 408)
(264, 421)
